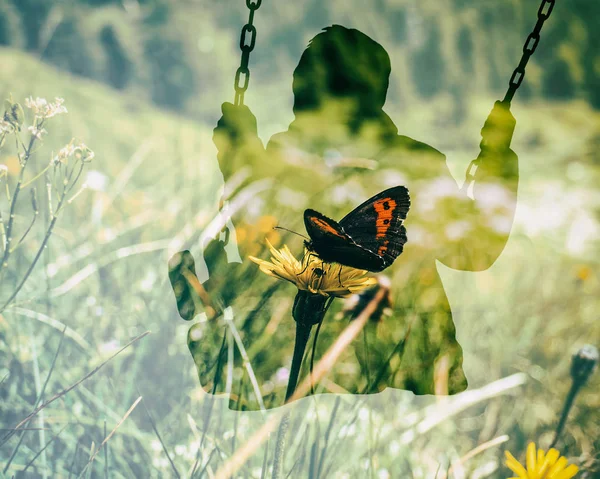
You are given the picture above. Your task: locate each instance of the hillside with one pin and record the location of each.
(155, 185)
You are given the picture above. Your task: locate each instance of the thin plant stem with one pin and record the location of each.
(246, 450)
(35, 215)
(74, 459)
(327, 434)
(2, 232)
(40, 250)
(105, 454)
(228, 317)
(474, 452)
(398, 349)
(70, 388)
(155, 429)
(301, 340)
(39, 175)
(13, 204)
(37, 402)
(569, 401)
(280, 446)
(265, 462)
(312, 355)
(210, 456)
(32, 265)
(42, 450)
(107, 438)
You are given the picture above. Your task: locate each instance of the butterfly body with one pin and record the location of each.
(370, 237)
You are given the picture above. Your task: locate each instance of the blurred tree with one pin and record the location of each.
(464, 45)
(172, 77)
(558, 82)
(68, 49)
(158, 13)
(428, 65)
(591, 57)
(33, 16)
(317, 15)
(11, 32)
(397, 18)
(100, 3)
(118, 65)
(23, 23)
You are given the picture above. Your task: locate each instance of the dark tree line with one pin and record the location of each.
(148, 51)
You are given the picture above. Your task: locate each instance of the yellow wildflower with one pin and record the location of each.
(313, 274)
(541, 465)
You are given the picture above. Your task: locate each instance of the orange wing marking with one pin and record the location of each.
(384, 208)
(326, 227)
(383, 248)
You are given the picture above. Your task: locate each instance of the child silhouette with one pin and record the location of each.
(341, 149)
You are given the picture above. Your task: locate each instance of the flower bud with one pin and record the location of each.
(583, 364)
(14, 114)
(309, 308)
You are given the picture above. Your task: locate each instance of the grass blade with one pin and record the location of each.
(70, 388)
(107, 438)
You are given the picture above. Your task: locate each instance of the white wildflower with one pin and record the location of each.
(42, 109)
(83, 153)
(64, 154)
(6, 127)
(3, 171)
(36, 105)
(37, 132)
(77, 150)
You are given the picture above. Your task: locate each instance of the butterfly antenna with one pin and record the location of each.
(290, 231)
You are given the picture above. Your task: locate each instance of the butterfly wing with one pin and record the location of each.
(321, 229)
(332, 244)
(377, 224)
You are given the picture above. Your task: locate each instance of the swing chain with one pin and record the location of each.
(530, 45)
(242, 75)
(516, 79)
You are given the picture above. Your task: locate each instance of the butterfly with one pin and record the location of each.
(370, 237)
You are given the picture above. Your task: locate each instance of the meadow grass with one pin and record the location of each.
(158, 185)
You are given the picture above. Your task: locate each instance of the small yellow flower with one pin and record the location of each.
(541, 465)
(313, 274)
(584, 272)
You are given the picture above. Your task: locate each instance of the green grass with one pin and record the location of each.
(108, 283)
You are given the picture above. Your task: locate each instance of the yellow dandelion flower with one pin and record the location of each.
(541, 465)
(313, 274)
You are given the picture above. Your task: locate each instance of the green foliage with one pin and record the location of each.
(68, 49)
(167, 68)
(10, 30)
(157, 187)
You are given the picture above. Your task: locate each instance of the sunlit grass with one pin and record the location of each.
(107, 282)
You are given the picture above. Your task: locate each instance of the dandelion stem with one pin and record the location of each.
(569, 401)
(302, 335)
(245, 451)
